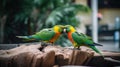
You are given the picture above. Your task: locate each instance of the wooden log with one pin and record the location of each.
(65, 56)
(26, 56)
(39, 56)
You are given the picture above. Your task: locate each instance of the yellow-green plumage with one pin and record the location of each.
(80, 39)
(45, 35)
(48, 34)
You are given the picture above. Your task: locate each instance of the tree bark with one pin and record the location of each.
(39, 56)
(35, 55)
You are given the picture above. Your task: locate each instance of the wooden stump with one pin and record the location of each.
(38, 56)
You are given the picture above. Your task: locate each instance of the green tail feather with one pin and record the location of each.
(26, 38)
(96, 50)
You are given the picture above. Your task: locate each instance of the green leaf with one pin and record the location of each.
(65, 13)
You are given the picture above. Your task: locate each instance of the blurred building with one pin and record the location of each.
(108, 11)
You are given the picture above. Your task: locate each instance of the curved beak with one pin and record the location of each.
(64, 30)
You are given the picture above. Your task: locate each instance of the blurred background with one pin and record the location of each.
(99, 19)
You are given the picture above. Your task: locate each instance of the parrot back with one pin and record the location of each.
(45, 34)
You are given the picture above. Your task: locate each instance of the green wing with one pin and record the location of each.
(82, 39)
(45, 34)
(85, 36)
(76, 37)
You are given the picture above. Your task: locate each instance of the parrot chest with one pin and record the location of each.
(55, 37)
(70, 37)
(75, 44)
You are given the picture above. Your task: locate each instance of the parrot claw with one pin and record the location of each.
(43, 44)
(52, 43)
(46, 43)
(49, 43)
(79, 48)
(76, 48)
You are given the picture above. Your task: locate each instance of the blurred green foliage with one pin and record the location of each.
(25, 17)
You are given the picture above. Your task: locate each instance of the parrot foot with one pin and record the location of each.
(49, 43)
(76, 48)
(43, 43)
(79, 48)
(46, 43)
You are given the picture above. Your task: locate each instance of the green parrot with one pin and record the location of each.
(49, 35)
(80, 39)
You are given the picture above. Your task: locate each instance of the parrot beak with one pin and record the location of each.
(64, 30)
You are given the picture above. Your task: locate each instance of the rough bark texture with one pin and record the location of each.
(49, 56)
(39, 56)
